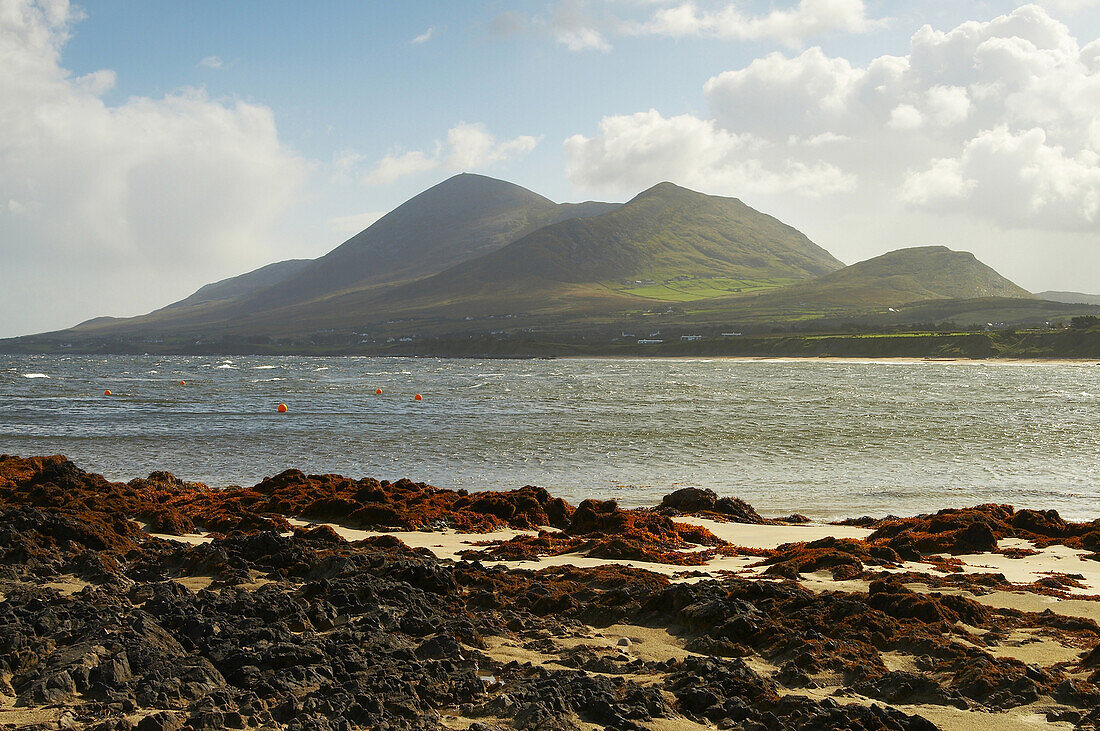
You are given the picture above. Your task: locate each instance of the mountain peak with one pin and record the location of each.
(669, 191)
(477, 190)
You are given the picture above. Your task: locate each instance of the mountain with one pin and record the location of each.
(446, 254)
(459, 219)
(664, 232)
(471, 252)
(244, 284)
(667, 242)
(1070, 297)
(462, 218)
(900, 277)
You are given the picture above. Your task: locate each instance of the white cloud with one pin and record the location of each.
(567, 22)
(634, 151)
(905, 116)
(467, 147)
(792, 26)
(583, 25)
(348, 225)
(122, 194)
(998, 120)
(211, 62)
(805, 94)
(571, 25)
(344, 164)
(425, 36)
(394, 166)
(1016, 178)
(582, 39)
(944, 180)
(947, 105)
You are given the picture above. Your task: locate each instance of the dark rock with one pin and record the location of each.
(160, 721)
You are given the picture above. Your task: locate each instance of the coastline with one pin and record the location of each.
(1005, 360)
(903, 342)
(418, 607)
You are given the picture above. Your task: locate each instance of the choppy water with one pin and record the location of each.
(823, 438)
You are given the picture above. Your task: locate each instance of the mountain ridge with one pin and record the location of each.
(574, 265)
(1077, 298)
(494, 249)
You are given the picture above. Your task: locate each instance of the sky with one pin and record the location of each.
(149, 148)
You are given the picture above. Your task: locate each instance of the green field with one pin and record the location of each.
(698, 288)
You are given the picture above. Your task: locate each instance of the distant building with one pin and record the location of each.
(730, 335)
(649, 341)
(690, 338)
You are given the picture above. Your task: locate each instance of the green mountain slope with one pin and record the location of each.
(462, 218)
(898, 278)
(664, 232)
(666, 236)
(459, 219)
(244, 284)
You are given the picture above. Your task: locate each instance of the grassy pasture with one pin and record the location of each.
(698, 288)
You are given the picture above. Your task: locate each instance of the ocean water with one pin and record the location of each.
(825, 438)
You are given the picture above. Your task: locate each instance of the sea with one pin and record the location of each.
(825, 438)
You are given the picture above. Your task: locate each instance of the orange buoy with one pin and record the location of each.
(107, 393)
(281, 409)
(418, 397)
(183, 383)
(378, 391)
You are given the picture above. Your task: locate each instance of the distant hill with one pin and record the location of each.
(904, 276)
(881, 290)
(1071, 297)
(244, 284)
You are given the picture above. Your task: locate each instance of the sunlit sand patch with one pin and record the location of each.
(449, 544)
(648, 644)
(67, 584)
(659, 644)
(21, 717)
(1023, 718)
(444, 544)
(1026, 602)
(948, 718)
(773, 536)
(192, 538)
(899, 661)
(195, 583)
(1029, 646)
(682, 573)
(1028, 569)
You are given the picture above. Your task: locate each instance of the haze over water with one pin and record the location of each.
(825, 438)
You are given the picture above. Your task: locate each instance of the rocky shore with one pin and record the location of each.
(323, 602)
